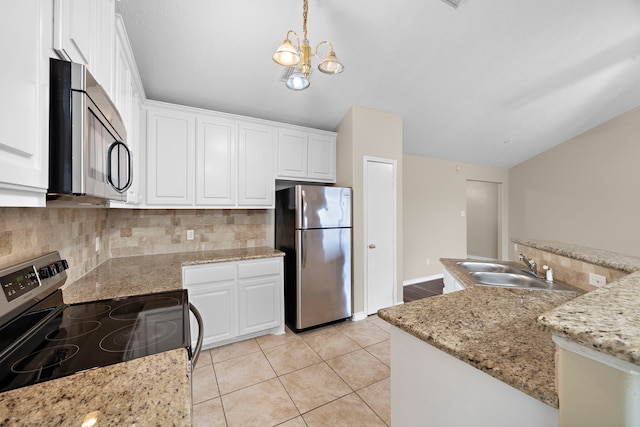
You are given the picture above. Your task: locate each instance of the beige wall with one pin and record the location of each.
(29, 232)
(585, 191)
(434, 198)
(365, 132)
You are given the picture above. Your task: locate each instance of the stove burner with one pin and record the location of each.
(73, 330)
(134, 337)
(131, 310)
(44, 359)
(84, 311)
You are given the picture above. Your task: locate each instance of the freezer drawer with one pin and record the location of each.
(323, 288)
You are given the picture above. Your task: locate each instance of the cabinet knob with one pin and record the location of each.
(372, 246)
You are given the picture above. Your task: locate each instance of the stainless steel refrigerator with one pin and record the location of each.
(313, 229)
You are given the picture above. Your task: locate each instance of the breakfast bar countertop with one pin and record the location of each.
(493, 329)
(143, 274)
(606, 319)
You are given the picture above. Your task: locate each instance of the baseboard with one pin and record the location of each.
(481, 258)
(422, 279)
(355, 317)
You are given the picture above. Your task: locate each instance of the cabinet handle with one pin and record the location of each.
(372, 246)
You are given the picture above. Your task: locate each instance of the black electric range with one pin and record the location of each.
(51, 339)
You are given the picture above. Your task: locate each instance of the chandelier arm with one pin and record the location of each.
(324, 42)
(297, 37)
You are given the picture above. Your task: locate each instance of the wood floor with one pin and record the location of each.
(422, 290)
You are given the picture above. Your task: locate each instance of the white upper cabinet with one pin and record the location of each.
(84, 33)
(170, 157)
(293, 149)
(25, 29)
(306, 155)
(223, 160)
(256, 181)
(322, 157)
(216, 170)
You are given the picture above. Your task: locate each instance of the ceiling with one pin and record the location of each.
(493, 82)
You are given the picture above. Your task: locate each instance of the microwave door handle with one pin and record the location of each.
(130, 174)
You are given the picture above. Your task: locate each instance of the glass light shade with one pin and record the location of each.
(286, 54)
(331, 65)
(298, 81)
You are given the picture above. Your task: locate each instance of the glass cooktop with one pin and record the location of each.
(78, 337)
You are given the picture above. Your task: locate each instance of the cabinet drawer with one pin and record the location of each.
(258, 268)
(207, 274)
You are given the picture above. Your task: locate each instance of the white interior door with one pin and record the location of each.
(380, 233)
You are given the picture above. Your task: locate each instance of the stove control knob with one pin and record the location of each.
(45, 272)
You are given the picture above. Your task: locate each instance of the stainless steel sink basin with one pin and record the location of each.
(488, 267)
(515, 280)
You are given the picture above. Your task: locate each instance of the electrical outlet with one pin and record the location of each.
(597, 280)
(190, 235)
(97, 243)
(427, 261)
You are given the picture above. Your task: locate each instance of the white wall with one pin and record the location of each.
(585, 191)
(434, 198)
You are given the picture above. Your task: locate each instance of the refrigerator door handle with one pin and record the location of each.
(303, 253)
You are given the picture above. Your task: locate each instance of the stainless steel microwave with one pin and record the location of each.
(89, 160)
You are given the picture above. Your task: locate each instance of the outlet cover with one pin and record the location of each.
(597, 280)
(97, 243)
(190, 235)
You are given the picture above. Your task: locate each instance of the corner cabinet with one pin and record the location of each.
(237, 300)
(197, 158)
(306, 156)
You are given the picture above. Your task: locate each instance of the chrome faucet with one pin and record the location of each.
(529, 262)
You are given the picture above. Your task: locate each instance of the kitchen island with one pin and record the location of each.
(510, 335)
(151, 390)
(488, 328)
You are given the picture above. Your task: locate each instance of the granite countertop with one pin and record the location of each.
(119, 395)
(599, 257)
(493, 329)
(154, 388)
(606, 319)
(137, 275)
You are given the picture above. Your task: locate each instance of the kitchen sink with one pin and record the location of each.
(487, 267)
(516, 280)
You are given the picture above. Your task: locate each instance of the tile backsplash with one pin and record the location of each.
(145, 232)
(29, 232)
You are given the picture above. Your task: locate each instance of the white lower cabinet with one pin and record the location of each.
(237, 300)
(451, 283)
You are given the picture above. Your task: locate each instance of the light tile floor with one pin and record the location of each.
(338, 375)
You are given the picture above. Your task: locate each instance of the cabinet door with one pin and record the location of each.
(216, 141)
(25, 27)
(74, 24)
(292, 154)
(217, 304)
(212, 289)
(322, 158)
(259, 304)
(256, 180)
(170, 157)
